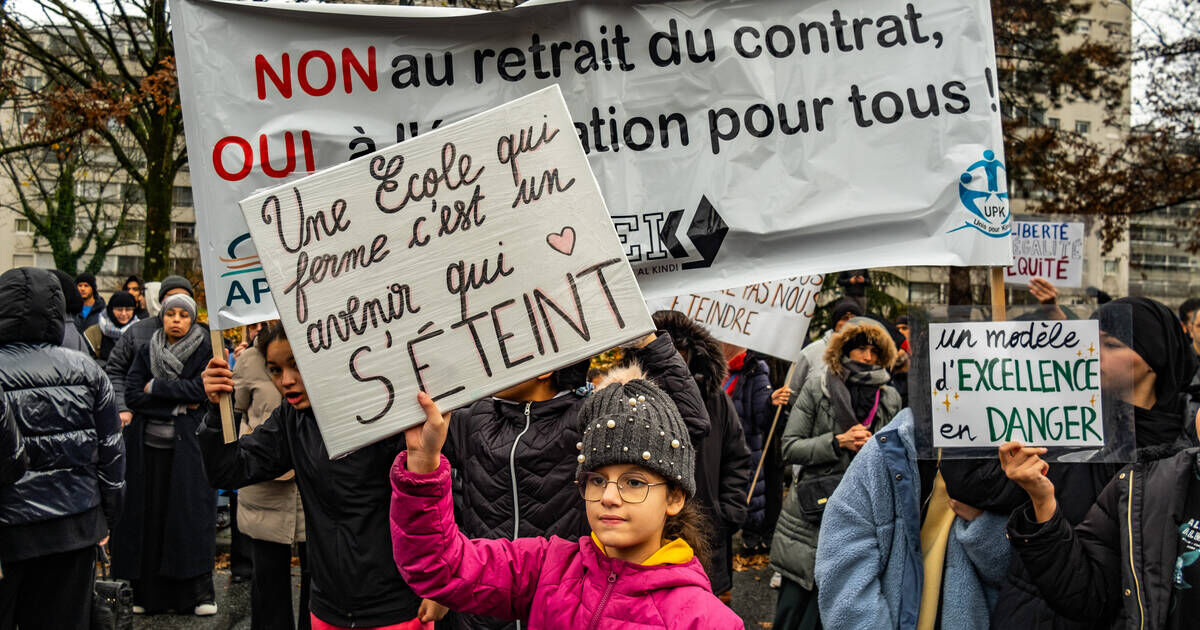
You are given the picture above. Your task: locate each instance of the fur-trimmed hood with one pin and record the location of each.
(706, 361)
(874, 332)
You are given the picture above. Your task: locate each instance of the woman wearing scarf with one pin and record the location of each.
(164, 545)
(836, 412)
(119, 314)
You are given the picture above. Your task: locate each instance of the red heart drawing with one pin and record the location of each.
(563, 242)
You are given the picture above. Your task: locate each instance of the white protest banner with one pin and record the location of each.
(1049, 250)
(461, 262)
(770, 317)
(1036, 382)
(733, 141)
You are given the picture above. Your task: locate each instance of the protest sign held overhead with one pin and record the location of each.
(733, 141)
(1049, 250)
(459, 263)
(1035, 382)
(769, 317)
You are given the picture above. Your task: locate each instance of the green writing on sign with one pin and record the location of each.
(1043, 424)
(1013, 375)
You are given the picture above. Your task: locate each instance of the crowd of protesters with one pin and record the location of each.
(583, 497)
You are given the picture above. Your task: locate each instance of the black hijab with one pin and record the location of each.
(1153, 332)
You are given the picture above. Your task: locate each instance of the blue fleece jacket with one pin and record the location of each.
(869, 569)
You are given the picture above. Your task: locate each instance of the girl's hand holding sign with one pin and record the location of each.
(425, 440)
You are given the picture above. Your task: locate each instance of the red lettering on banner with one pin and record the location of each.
(316, 72)
(246, 158)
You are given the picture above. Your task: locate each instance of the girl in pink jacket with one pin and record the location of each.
(639, 569)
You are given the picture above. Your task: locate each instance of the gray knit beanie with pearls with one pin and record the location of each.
(629, 420)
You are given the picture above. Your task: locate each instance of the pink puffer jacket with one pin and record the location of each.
(553, 584)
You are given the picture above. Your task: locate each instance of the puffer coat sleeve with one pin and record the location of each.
(12, 451)
(110, 451)
(1077, 570)
(662, 363)
(801, 443)
(497, 578)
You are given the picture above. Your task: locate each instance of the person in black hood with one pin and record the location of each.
(1143, 532)
(1145, 370)
(165, 546)
(118, 317)
(133, 340)
(72, 337)
(723, 464)
(53, 516)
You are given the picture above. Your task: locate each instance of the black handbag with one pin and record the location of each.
(112, 600)
(813, 494)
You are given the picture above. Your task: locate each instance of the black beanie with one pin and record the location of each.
(861, 340)
(841, 308)
(630, 420)
(88, 279)
(73, 300)
(119, 299)
(174, 282)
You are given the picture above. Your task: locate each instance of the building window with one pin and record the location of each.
(184, 232)
(1083, 126)
(129, 265)
(32, 82)
(186, 267)
(1053, 123)
(24, 227)
(1083, 26)
(26, 119)
(132, 193)
(1112, 267)
(182, 196)
(134, 231)
(925, 293)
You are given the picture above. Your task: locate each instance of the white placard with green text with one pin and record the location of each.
(1035, 382)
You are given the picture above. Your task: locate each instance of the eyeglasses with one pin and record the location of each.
(631, 487)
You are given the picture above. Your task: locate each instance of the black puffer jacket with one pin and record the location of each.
(63, 405)
(723, 464)
(12, 451)
(120, 359)
(355, 582)
(523, 454)
(1114, 569)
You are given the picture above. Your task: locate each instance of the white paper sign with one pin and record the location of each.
(769, 317)
(1053, 251)
(460, 263)
(1034, 382)
(733, 141)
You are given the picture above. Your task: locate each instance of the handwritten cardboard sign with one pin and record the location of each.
(460, 262)
(770, 317)
(1053, 251)
(1033, 382)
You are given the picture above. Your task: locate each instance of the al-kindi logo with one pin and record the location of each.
(979, 191)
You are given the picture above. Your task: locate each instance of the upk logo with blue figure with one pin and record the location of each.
(979, 192)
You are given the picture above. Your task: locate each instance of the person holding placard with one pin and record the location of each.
(165, 544)
(529, 434)
(1134, 560)
(723, 464)
(835, 414)
(642, 565)
(1144, 371)
(354, 580)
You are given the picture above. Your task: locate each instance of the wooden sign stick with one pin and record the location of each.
(226, 404)
(767, 444)
(999, 308)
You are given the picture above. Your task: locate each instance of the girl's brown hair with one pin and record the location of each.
(693, 526)
(268, 335)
